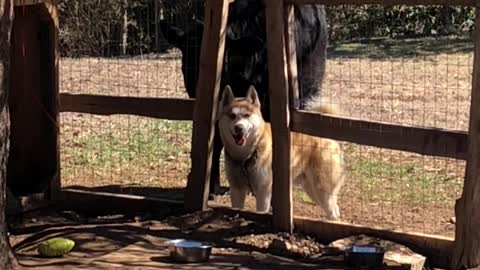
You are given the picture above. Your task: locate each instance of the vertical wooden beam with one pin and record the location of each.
(205, 110)
(291, 48)
(280, 122)
(124, 10)
(466, 253)
(33, 165)
(55, 185)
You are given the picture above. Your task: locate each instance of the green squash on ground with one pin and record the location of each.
(55, 247)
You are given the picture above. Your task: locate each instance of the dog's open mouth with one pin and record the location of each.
(240, 139)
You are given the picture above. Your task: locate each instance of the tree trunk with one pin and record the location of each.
(447, 23)
(7, 259)
(124, 27)
(155, 12)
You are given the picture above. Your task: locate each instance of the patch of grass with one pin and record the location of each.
(403, 182)
(113, 146)
(373, 180)
(300, 195)
(128, 150)
(379, 48)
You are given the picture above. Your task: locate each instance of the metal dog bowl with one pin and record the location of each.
(188, 251)
(364, 257)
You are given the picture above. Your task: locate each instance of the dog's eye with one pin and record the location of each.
(246, 115)
(232, 116)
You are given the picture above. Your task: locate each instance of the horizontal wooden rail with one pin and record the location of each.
(164, 108)
(424, 141)
(383, 2)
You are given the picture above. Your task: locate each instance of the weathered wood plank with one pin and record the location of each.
(101, 203)
(164, 108)
(33, 99)
(466, 254)
(280, 123)
(425, 141)
(291, 56)
(205, 110)
(53, 21)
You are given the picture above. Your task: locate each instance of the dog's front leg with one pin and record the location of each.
(238, 196)
(263, 197)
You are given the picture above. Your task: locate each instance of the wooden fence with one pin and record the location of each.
(463, 252)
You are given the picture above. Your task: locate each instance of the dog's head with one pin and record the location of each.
(240, 119)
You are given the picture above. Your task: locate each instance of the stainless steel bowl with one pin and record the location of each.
(188, 251)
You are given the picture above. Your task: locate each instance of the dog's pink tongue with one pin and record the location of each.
(240, 140)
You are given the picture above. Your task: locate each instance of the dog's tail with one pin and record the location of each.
(316, 104)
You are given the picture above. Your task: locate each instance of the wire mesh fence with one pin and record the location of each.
(122, 153)
(421, 81)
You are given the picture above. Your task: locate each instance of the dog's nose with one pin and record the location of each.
(239, 129)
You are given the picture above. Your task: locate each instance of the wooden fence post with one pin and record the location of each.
(291, 49)
(466, 253)
(34, 100)
(205, 109)
(280, 120)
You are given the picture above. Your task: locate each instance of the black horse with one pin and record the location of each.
(245, 60)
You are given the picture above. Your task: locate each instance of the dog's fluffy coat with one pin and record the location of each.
(317, 163)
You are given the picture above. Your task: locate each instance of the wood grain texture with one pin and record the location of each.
(291, 50)
(280, 121)
(34, 157)
(54, 29)
(466, 254)
(425, 141)
(205, 109)
(163, 108)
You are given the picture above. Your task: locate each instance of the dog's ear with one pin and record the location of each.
(227, 96)
(252, 96)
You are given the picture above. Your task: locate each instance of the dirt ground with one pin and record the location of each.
(405, 218)
(137, 242)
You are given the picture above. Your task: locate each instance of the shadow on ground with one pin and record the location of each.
(381, 48)
(140, 245)
(154, 192)
(170, 193)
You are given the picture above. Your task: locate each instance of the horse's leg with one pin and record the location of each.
(215, 187)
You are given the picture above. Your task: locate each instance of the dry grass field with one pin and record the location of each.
(422, 82)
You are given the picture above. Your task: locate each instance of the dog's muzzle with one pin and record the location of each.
(240, 135)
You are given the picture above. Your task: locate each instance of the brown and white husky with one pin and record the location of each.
(317, 163)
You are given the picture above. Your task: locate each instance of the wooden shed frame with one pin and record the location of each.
(34, 105)
(444, 252)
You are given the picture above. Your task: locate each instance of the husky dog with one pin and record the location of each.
(317, 163)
